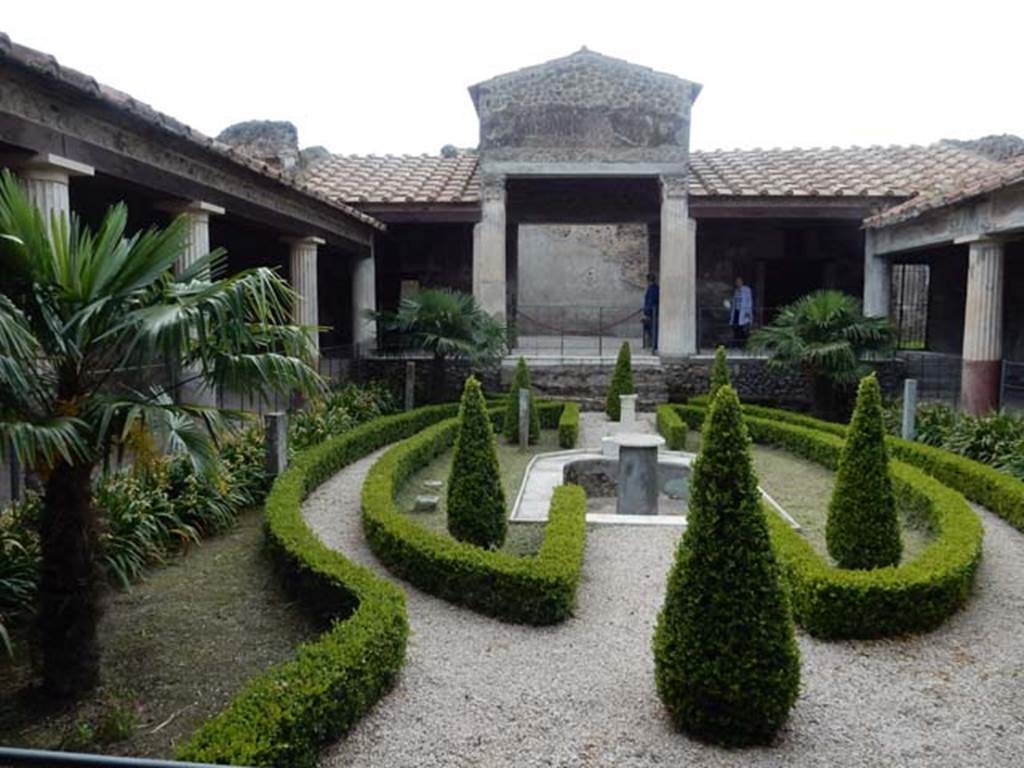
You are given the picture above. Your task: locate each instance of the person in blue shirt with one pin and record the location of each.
(742, 313)
(651, 296)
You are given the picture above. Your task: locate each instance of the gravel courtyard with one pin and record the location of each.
(476, 692)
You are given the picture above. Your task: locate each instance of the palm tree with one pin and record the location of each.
(825, 336)
(81, 312)
(449, 325)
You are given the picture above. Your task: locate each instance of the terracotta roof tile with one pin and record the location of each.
(892, 171)
(46, 65)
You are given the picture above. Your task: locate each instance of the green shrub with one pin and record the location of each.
(510, 428)
(719, 373)
(338, 411)
(863, 530)
(996, 491)
(621, 384)
(476, 498)
(916, 596)
(531, 590)
(283, 716)
(569, 426)
(934, 422)
(726, 660)
(671, 427)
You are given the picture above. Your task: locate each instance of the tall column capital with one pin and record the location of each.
(46, 166)
(191, 207)
(492, 188)
(198, 213)
(674, 187)
(308, 241)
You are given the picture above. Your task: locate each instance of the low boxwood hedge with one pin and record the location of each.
(672, 427)
(997, 491)
(532, 590)
(569, 426)
(284, 716)
(915, 596)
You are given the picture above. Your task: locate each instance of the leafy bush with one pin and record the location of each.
(19, 561)
(510, 428)
(725, 656)
(933, 423)
(531, 590)
(917, 595)
(338, 411)
(569, 426)
(283, 716)
(671, 427)
(862, 529)
(719, 373)
(476, 498)
(621, 384)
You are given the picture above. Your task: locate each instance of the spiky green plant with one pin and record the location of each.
(863, 530)
(726, 661)
(621, 384)
(826, 337)
(719, 373)
(81, 310)
(510, 425)
(476, 498)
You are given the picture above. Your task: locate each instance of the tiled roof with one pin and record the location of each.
(45, 65)
(398, 178)
(896, 171)
(1009, 173)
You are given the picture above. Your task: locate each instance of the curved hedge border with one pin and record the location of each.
(672, 427)
(916, 596)
(531, 590)
(998, 492)
(569, 426)
(283, 716)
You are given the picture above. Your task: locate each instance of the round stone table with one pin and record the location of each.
(638, 473)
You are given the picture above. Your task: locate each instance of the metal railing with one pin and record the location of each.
(1011, 387)
(937, 374)
(582, 330)
(10, 756)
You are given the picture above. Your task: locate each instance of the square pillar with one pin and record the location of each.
(46, 178)
(303, 255)
(197, 215)
(983, 328)
(489, 248)
(877, 279)
(364, 300)
(677, 304)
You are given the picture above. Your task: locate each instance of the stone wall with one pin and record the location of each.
(567, 272)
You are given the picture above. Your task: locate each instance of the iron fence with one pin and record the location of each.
(1011, 390)
(937, 374)
(580, 331)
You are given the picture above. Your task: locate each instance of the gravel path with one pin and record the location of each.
(476, 692)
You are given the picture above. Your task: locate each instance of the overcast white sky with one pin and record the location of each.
(378, 76)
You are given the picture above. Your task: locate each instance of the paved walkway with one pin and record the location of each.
(477, 692)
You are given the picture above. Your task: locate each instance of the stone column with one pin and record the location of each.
(489, 248)
(983, 328)
(677, 307)
(303, 278)
(364, 299)
(877, 279)
(197, 215)
(47, 178)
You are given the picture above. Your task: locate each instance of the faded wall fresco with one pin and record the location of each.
(566, 272)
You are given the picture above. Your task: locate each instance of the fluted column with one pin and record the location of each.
(677, 304)
(489, 248)
(197, 214)
(983, 328)
(877, 280)
(364, 301)
(47, 178)
(303, 278)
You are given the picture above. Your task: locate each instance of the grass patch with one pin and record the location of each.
(523, 538)
(176, 647)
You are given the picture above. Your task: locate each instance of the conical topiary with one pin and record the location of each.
(862, 530)
(510, 427)
(719, 373)
(726, 661)
(476, 499)
(622, 382)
